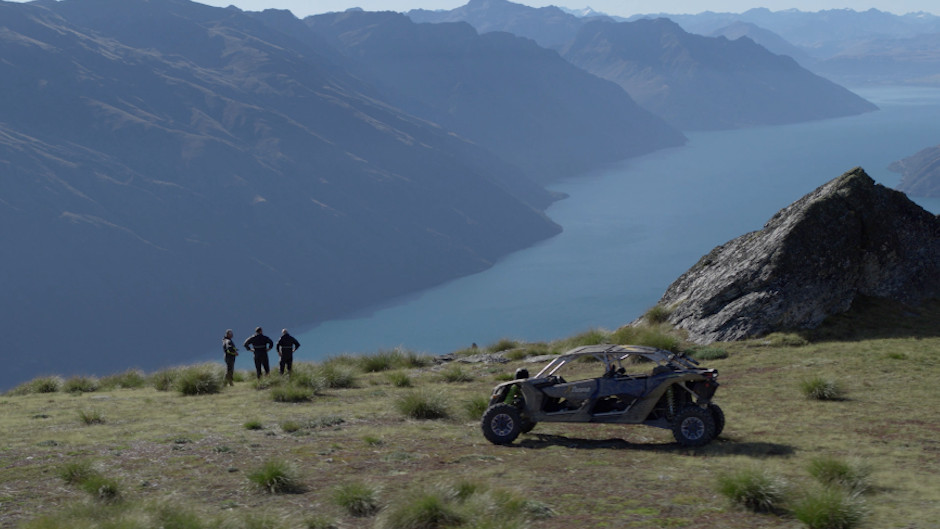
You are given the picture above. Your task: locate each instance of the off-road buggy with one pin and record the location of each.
(671, 392)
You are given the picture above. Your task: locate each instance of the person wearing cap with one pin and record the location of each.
(228, 347)
(259, 344)
(286, 346)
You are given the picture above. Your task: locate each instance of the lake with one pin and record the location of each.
(634, 227)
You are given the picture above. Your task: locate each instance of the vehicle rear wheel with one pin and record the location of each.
(719, 417)
(694, 426)
(501, 424)
(527, 425)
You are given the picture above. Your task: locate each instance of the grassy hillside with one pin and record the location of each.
(353, 455)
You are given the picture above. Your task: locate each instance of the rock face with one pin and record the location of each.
(848, 238)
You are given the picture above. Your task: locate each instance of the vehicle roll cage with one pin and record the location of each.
(613, 357)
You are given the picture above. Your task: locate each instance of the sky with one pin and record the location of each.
(625, 8)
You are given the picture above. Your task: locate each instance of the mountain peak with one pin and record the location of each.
(849, 238)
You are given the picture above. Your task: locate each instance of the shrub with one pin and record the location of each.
(203, 379)
(276, 476)
(819, 388)
(91, 416)
(852, 476)
(80, 384)
(830, 508)
(422, 406)
(358, 499)
(475, 407)
(455, 373)
(50, 384)
(399, 379)
(291, 393)
(427, 510)
(753, 489)
(130, 379)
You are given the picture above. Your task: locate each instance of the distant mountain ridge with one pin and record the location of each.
(920, 173)
(519, 100)
(691, 81)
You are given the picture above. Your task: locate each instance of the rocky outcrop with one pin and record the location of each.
(850, 237)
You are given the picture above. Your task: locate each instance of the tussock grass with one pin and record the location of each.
(50, 384)
(291, 392)
(165, 379)
(80, 384)
(830, 508)
(356, 433)
(657, 315)
(205, 379)
(75, 472)
(253, 424)
(755, 489)
(503, 344)
(707, 353)
(658, 336)
(92, 416)
(399, 379)
(852, 475)
(475, 406)
(422, 406)
(392, 359)
(455, 373)
(357, 498)
(277, 476)
(130, 379)
(821, 388)
(337, 374)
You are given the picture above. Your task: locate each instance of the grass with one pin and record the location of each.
(830, 508)
(821, 388)
(422, 406)
(852, 475)
(357, 499)
(356, 434)
(276, 476)
(205, 379)
(755, 489)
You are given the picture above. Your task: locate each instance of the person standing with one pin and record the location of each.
(228, 347)
(259, 344)
(286, 346)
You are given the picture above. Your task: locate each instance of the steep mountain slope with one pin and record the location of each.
(170, 170)
(521, 101)
(699, 83)
(848, 239)
(920, 173)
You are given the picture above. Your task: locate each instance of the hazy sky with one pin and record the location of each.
(302, 8)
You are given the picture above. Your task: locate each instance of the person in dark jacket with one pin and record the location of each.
(259, 344)
(286, 346)
(228, 347)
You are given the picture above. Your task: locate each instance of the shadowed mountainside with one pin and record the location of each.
(523, 102)
(848, 239)
(171, 170)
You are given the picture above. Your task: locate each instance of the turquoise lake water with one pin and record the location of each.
(633, 228)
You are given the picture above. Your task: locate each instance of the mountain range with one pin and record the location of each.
(692, 81)
(169, 170)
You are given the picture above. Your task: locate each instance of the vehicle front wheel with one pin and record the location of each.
(501, 424)
(694, 426)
